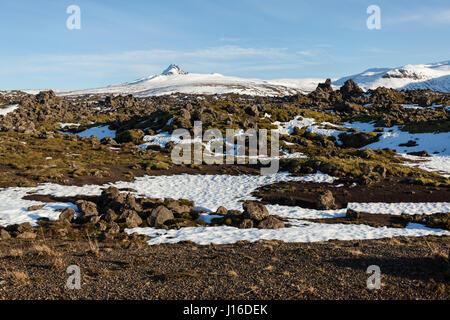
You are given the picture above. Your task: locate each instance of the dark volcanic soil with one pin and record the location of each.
(411, 269)
(305, 194)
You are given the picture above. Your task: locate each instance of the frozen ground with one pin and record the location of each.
(436, 163)
(436, 144)
(211, 191)
(310, 232)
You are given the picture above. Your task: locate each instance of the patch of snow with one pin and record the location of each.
(68, 124)
(435, 163)
(99, 132)
(4, 110)
(401, 207)
(309, 232)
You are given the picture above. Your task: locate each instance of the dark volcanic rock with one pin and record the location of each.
(4, 235)
(350, 89)
(160, 215)
(271, 222)
(255, 211)
(87, 208)
(326, 201)
(67, 215)
(357, 140)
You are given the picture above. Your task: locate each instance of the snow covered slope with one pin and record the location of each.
(175, 80)
(435, 76)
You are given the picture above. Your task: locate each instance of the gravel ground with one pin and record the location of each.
(411, 268)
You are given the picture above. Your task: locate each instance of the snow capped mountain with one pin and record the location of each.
(175, 80)
(173, 69)
(435, 76)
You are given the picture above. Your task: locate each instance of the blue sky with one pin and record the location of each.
(124, 40)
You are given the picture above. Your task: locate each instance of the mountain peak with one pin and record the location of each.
(173, 69)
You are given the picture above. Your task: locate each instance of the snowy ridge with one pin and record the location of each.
(435, 76)
(175, 80)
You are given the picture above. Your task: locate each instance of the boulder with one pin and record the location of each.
(101, 225)
(221, 211)
(35, 207)
(252, 111)
(87, 208)
(179, 206)
(134, 135)
(350, 89)
(67, 215)
(131, 219)
(113, 228)
(246, 224)
(325, 201)
(422, 153)
(110, 216)
(352, 214)
(271, 223)
(159, 215)
(108, 141)
(255, 211)
(19, 228)
(358, 140)
(4, 235)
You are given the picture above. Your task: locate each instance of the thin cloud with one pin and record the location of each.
(142, 61)
(427, 17)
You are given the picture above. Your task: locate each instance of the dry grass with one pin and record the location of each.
(18, 278)
(15, 253)
(269, 268)
(233, 273)
(93, 247)
(44, 250)
(58, 263)
(355, 252)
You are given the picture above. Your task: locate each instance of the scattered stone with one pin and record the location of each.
(358, 140)
(179, 206)
(113, 228)
(410, 143)
(271, 223)
(422, 153)
(110, 216)
(255, 211)
(67, 215)
(221, 211)
(4, 235)
(86, 208)
(326, 201)
(108, 141)
(35, 207)
(246, 224)
(101, 225)
(19, 228)
(352, 214)
(132, 219)
(159, 215)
